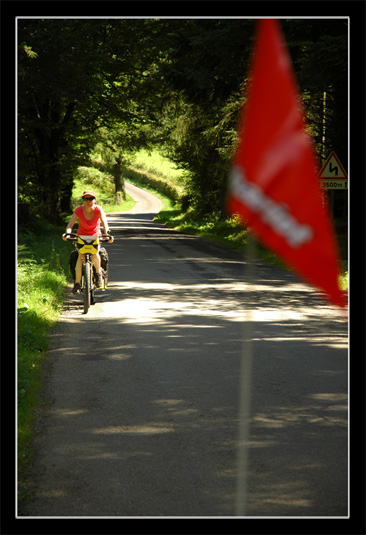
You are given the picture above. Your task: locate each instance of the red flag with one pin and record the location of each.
(273, 184)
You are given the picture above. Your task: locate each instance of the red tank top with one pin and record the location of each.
(88, 227)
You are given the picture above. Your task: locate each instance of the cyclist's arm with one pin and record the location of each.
(70, 224)
(104, 221)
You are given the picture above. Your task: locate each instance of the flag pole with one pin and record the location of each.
(245, 386)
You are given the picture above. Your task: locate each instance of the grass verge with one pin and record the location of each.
(42, 275)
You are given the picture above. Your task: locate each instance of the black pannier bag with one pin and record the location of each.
(72, 262)
(103, 257)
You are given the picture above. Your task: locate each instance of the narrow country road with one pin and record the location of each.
(142, 392)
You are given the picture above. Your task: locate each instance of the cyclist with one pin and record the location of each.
(90, 215)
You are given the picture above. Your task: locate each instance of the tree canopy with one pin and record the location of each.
(173, 83)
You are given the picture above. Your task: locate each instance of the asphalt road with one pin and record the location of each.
(141, 412)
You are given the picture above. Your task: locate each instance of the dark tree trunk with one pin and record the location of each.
(50, 177)
(48, 142)
(119, 181)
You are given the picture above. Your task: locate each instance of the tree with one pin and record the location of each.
(203, 84)
(178, 83)
(51, 87)
(74, 77)
(113, 150)
(319, 49)
(205, 73)
(320, 53)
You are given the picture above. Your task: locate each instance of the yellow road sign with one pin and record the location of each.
(332, 174)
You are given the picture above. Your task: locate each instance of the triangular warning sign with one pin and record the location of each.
(333, 168)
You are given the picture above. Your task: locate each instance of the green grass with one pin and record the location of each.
(154, 162)
(343, 278)
(42, 275)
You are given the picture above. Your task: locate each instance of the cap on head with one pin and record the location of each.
(89, 192)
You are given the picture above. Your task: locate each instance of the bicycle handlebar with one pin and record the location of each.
(103, 237)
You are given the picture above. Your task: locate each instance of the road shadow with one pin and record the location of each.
(142, 394)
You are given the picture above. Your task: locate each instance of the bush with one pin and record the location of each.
(95, 178)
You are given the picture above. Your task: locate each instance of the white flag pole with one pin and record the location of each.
(245, 386)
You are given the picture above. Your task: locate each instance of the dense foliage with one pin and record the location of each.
(173, 83)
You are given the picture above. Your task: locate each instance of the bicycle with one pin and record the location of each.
(88, 245)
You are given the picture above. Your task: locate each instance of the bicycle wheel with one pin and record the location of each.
(87, 286)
